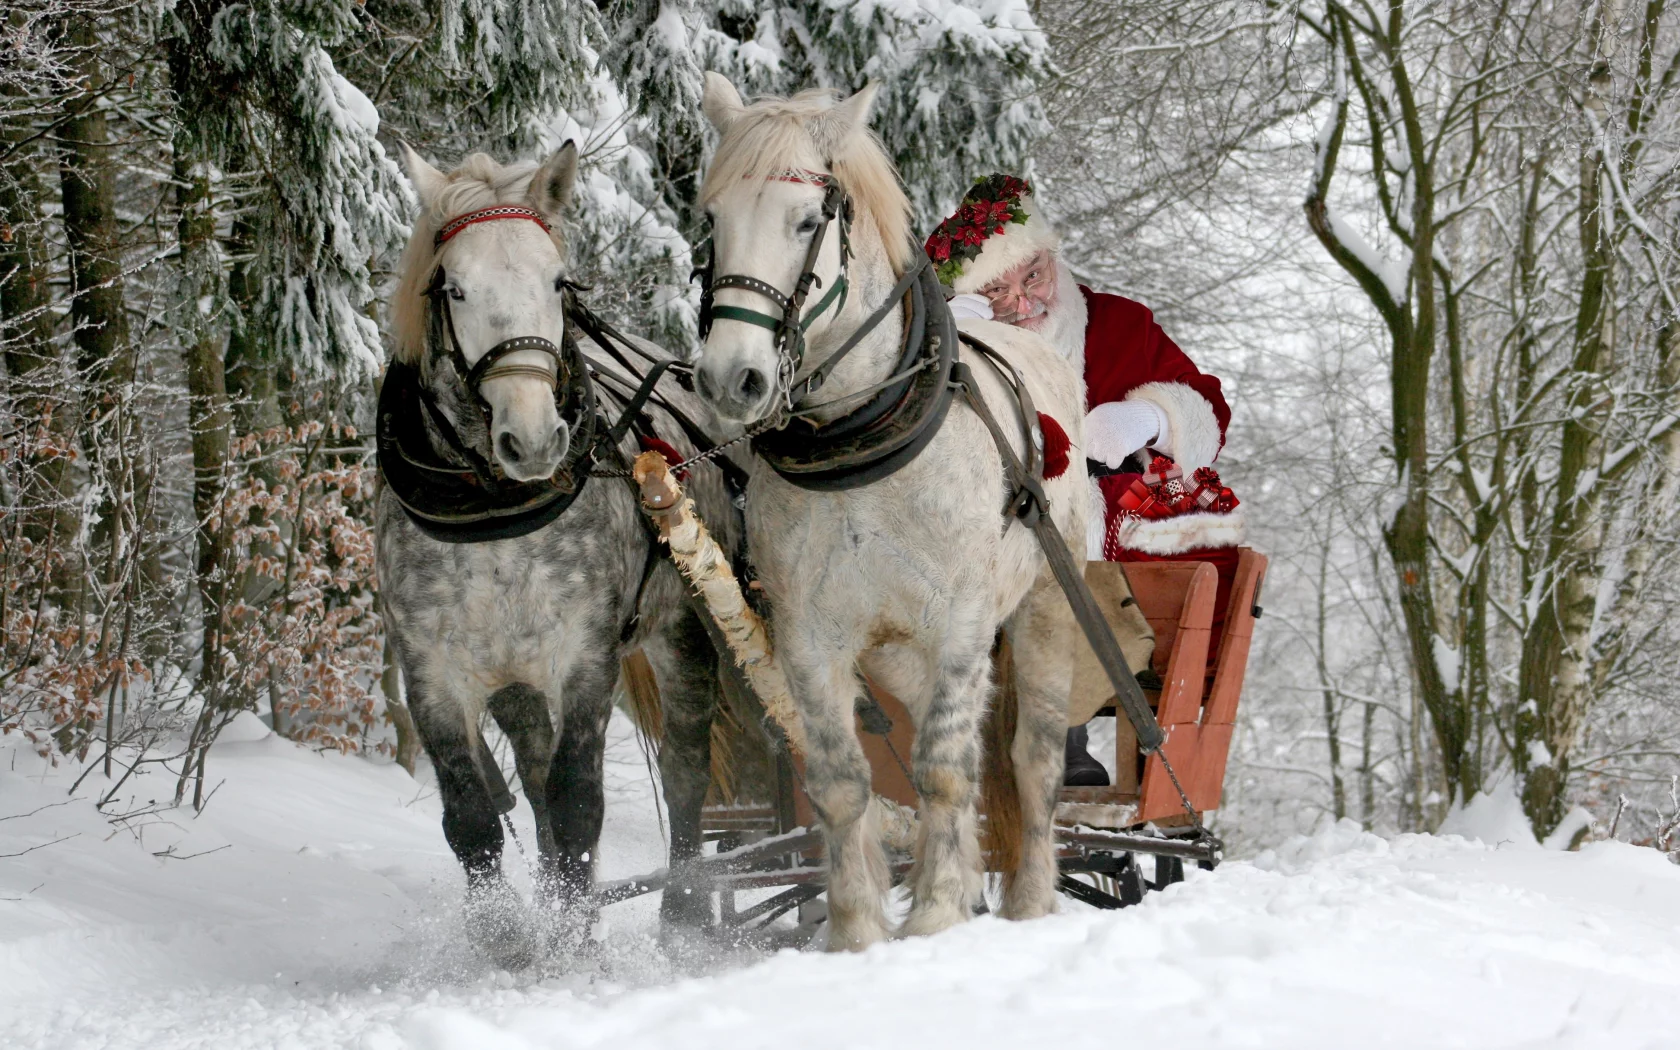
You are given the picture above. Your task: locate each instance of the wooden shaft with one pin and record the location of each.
(707, 568)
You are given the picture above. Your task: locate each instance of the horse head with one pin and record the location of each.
(798, 191)
(480, 306)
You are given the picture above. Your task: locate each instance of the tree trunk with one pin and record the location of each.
(34, 371)
(116, 458)
(1367, 776)
(207, 396)
(1332, 717)
(251, 381)
(91, 229)
(1555, 678)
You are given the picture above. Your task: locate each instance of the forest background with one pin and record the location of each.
(1430, 247)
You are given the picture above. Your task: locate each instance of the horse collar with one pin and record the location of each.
(900, 415)
(446, 496)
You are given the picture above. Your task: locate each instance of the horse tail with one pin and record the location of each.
(1000, 799)
(641, 691)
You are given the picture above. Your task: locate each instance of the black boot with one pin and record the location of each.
(1082, 770)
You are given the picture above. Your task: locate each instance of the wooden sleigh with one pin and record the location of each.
(765, 835)
(1101, 830)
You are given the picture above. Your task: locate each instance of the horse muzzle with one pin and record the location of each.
(531, 454)
(737, 391)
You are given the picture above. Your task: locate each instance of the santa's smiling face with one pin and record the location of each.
(1026, 296)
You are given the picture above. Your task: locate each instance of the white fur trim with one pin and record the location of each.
(1186, 532)
(1096, 521)
(1191, 424)
(1002, 252)
(1068, 320)
(967, 304)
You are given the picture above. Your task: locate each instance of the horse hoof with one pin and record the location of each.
(498, 924)
(685, 908)
(925, 920)
(853, 936)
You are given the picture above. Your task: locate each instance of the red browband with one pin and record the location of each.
(491, 214)
(815, 178)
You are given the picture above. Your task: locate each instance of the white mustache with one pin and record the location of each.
(1039, 309)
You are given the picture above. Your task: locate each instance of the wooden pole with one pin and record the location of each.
(707, 568)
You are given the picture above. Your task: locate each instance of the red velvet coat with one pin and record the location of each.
(1124, 349)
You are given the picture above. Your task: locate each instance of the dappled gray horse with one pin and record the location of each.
(512, 581)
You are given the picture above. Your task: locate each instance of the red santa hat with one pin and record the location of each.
(996, 228)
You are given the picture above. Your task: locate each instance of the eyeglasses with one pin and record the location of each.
(1037, 278)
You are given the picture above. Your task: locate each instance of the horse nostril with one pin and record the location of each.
(707, 390)
(750, 384)
(507, 446)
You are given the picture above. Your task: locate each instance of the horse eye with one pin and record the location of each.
(455, 293)
(808, 226)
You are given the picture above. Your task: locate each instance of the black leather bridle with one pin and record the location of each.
(889, 422)
(790, 325)
(566, 373)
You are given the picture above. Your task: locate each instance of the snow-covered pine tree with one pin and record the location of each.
(260, 100)
(958, 78)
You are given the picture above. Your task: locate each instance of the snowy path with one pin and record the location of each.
(327, 922)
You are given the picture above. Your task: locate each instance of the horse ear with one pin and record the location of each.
(853, 113)
(834, 129)
(551, 184)
(428, 181)
(720, 102)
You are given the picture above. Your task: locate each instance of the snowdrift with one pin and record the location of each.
(312, 905)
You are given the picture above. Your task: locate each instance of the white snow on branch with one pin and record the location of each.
(1393, 274)
(1447, 660)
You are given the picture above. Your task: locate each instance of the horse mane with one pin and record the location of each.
(479, 182)
(767, 136)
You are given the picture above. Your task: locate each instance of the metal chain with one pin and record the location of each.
(768, 423)
(1195, 818)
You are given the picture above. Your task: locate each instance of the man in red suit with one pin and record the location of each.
(1144, 396)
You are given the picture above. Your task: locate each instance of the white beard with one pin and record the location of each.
(1063, 326)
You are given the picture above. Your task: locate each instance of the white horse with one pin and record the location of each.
(907, 578)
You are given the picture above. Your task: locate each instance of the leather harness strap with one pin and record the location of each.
(1028, 502)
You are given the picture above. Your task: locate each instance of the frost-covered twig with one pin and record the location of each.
(1621, 805)
(1666, 829)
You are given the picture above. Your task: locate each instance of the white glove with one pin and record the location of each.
(1116, 429)
(970, 305)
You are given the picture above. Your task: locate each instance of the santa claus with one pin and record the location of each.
(1155, 422)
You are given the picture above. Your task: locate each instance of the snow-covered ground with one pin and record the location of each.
(312, 905)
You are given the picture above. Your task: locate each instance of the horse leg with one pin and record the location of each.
(494, 914)
(575, 791)
(1041, 635)
(685, 665)
(945, 883)
(522, 713)
(837, 779)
